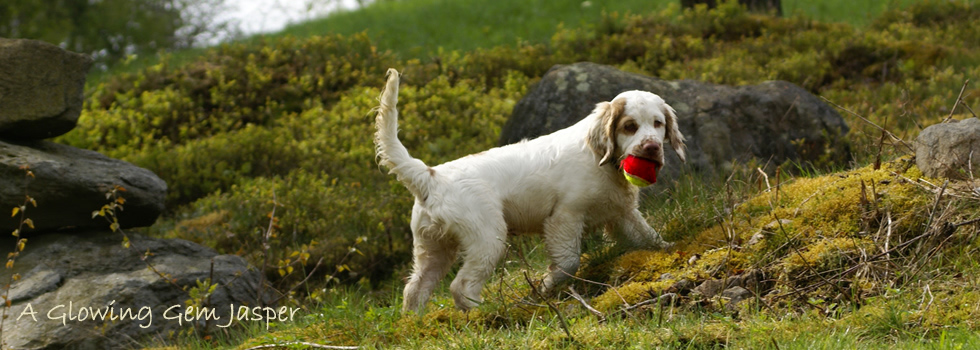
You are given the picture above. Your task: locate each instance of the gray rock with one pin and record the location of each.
(92, 270)
(682, 287)
(774, 121)
(754, 280)
(709, 288)
(945, 150)
(70, 183)
(736, 295)
(41, 89)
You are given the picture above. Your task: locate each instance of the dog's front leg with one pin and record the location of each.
(634, 231)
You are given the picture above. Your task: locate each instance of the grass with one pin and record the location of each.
(928, 300)
(932, 311)
(417, 28)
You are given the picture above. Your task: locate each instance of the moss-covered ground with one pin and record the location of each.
(266, 146)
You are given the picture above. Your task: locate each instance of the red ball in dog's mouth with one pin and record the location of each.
(640, 172)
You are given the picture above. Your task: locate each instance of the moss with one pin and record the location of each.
(644, 265)
(812, 225)
(825, 254)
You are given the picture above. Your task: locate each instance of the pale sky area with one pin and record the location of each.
(261, 16)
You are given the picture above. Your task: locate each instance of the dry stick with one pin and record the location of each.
(881, 145)
(659, 299)
(935, 205)
(918, 182)
(312, 345)
(972, 221)
(888, 234)
(265, 247)
(970, 109)
(807, 263)
(766, 177)
(597, 313)
(297, 285)
(611, 287)
(870, 260)
(896, 138)
(561, 318)
(957, 103)
(16, 251)
(774, 343)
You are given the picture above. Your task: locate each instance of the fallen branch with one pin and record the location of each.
(957, 103)
(597, 313)
(312, 345)
(561, 318)
(871, 260)
(896, 138)
(659, 300)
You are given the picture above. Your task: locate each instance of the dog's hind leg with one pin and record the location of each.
(432, 260)
(433, 256)
(483, 246)
(563, 240)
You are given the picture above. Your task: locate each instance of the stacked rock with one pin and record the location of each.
(74, 265)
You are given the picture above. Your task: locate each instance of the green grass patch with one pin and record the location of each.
(285, 124)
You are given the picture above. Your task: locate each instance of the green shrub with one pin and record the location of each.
(292, 116)
(225, 90)
(320, 165)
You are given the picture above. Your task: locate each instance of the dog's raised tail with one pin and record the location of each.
(412, 172)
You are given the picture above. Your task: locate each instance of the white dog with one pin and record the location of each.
(556, 184)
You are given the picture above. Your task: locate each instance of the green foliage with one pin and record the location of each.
(286, 123)
(111, 29)
(319, 164)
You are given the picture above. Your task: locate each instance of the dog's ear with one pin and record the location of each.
(674, 133)
(602, 134)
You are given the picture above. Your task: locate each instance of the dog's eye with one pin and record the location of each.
(658, 124)
(630, 127)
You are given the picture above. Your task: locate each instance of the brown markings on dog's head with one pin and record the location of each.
(602, 134)
(674, 133)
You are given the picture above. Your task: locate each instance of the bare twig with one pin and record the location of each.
(561, 318)
(957, 102)
(935, 205)
(872, 259)
(766, 177)
(972, 221)
(266, 236)
(970, 109)
(597, 313)
(297, 285)
(303, 343)
(660, 299)
(890, 134)
(807, 263)
(611, 287)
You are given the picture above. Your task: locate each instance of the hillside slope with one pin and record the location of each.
(266, 147)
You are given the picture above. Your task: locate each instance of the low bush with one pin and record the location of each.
(289, 119)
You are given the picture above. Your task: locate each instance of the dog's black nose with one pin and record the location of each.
(651, 148)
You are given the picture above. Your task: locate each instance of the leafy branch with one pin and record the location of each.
(19, 246)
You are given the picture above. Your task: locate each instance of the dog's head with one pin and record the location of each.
(637, 123)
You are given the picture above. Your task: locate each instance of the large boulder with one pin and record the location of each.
(64, 277)
(41, 89)
(949, 150)
(773, 122)
(70, 183)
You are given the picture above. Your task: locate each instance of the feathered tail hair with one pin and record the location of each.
(412, 172)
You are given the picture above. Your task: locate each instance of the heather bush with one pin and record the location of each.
(288, 120)
(320, 166)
